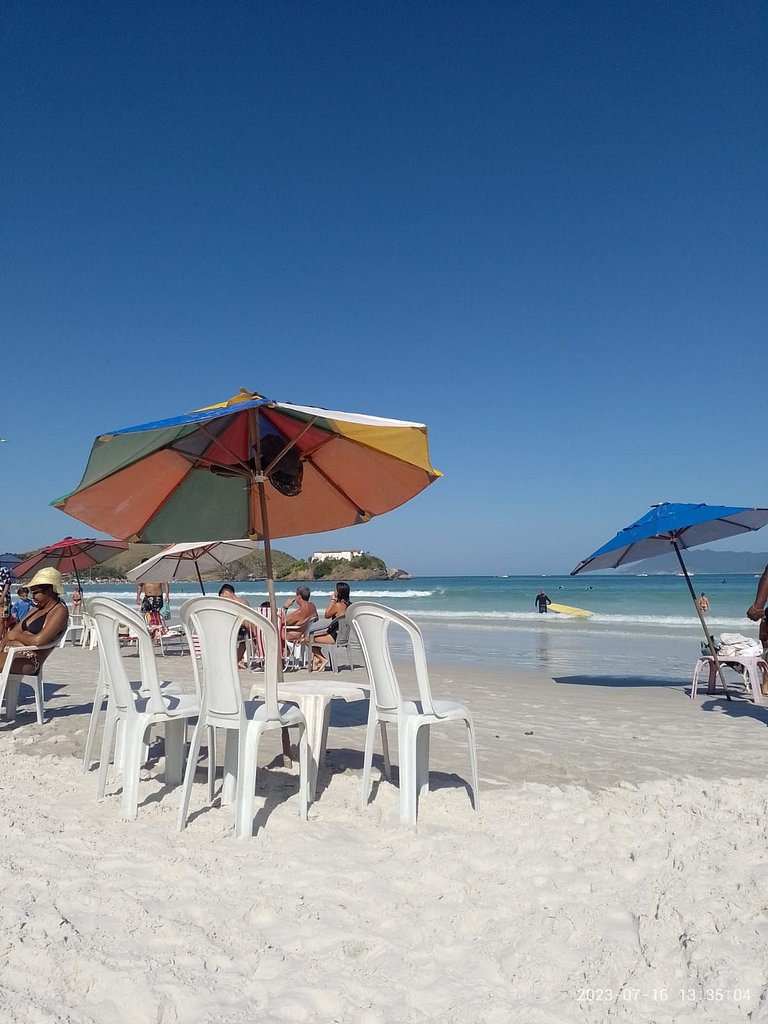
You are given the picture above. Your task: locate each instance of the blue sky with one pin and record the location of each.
(538, 228)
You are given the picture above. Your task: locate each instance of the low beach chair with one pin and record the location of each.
(412, 718)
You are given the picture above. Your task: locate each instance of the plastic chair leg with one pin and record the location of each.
(368, 754)
(473, 763)
(407, 739)
(189, 774)
(211, 761)
(246, 780)
(134, 737)
(37, 686)
(303, 773)
(231, 767)
(98, 706)
(108, 738)
(422, 761)
(385, 751)
(12, 697)
(175, 734)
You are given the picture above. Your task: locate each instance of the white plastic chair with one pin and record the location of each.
(136, 710)
(89, 636)
(216, 622)
(73, 632)
(102, 692)
(341, 643)
(10, 682)
(413, 718)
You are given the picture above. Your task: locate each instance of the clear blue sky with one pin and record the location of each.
(538, 228)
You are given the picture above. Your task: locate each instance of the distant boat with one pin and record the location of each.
(683, 574)
(642, 574)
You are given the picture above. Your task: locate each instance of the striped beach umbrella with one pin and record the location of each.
(70, 556)
(249, 467)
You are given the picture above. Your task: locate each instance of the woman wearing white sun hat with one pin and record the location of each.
(43, 624)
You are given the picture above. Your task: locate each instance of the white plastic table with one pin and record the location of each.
(314, 698)
(753, 666)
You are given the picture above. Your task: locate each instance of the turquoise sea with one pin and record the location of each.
(641, 626)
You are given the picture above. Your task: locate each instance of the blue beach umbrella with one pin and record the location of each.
(674, 527)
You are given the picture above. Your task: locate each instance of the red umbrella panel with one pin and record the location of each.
(70, 555)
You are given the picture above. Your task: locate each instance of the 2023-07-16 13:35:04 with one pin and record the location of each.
(691, 994)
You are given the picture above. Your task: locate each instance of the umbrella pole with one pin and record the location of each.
(253, 426)
(199, 578)
(704, 625)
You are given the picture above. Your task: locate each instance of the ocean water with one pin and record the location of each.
(642, 626)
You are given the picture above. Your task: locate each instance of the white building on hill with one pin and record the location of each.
(347, 556)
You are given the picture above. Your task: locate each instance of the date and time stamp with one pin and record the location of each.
(677, 994)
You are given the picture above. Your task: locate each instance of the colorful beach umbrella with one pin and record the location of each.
(70, 555)
(249, 467)
(674, 527)
(188, 561)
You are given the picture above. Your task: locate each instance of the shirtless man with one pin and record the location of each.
(151, 603)
(296, 622)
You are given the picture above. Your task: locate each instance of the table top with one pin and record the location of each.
(322, 685)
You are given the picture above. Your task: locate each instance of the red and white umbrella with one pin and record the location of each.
(70, 555)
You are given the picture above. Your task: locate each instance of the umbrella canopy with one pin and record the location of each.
(668, 525)
(675, 527)
(249, 467)
(9, 561)
(70, 555)
(188, 561)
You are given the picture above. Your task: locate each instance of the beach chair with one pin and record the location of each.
(101, 694)
(216, 624)
(412, 718)
(341, 644)
(73, 632)
(136, 706)
(11, 682)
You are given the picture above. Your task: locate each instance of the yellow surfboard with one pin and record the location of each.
(565, 609)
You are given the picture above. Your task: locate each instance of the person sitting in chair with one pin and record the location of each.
(297, 621)
(44, 624)
(337, 609)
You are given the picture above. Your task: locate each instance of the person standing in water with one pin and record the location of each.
(542, 602)
(703, 603)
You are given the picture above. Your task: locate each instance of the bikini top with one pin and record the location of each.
(38, 621)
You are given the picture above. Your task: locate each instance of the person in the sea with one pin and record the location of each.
(228, 591)
(703, 603)
(42, 625)
(296, 621)
(152, 598)
(77, 601)
(337, 608)
(542, 602)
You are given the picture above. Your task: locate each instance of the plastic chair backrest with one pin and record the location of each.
(216, 622)
(345, 628)
(372, 622)
(109, 615)
(267, 614)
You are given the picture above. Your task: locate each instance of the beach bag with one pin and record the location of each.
(166, 612)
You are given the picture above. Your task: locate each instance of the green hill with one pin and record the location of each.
(286, 567)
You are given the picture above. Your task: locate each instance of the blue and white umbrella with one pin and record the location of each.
(676, 527)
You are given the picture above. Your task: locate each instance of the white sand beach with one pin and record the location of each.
(617, 870)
